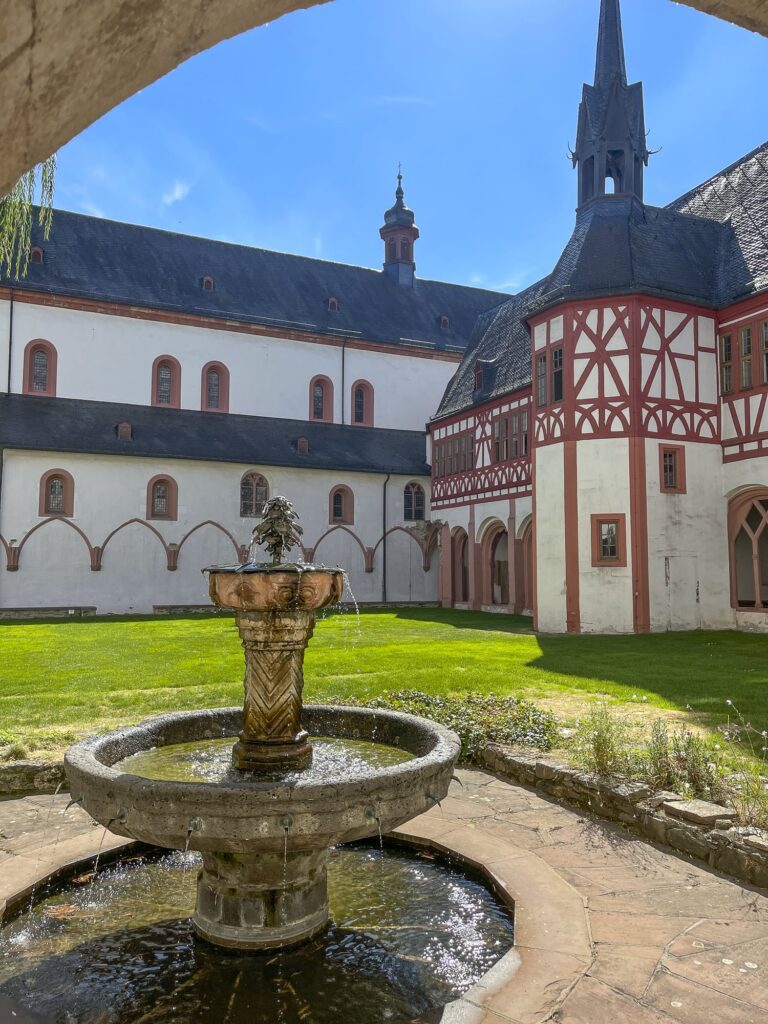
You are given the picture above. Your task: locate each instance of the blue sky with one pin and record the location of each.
(288, 137)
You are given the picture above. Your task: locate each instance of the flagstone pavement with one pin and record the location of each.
(609, 929)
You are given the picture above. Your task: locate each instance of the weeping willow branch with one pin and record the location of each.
(17, 211)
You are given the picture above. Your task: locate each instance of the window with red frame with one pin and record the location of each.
(726, 364)
(764, 350)
(745, 357)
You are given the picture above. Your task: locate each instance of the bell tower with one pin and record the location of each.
(399, 235)
(611, 153)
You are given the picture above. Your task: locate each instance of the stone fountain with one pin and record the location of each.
(264, 829)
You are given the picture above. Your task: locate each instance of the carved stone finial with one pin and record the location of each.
(279, 529)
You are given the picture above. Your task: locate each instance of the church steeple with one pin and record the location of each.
(610, 145)
(399, 234)
(610, 62)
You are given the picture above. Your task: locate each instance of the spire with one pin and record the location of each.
(611, 151)
(399, 234)
(610, 62)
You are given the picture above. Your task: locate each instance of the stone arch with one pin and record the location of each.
(494, 581)
(460, 568)
(217, 526)
(748, 548)
(368, 553)
(13, 555)
(170, 549)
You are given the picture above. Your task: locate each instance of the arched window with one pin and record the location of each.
(413, 502)
(341, 506)
(445, 323)
(254, 492)
(208, 284)
(405, 249)
(214, 388)
(362, 404)
(748, 531)
(321, 400)
(57, 494)
(39, 369)
(392, 251)
(166, 382)
(302, 445)
(162, 498)
(333, 304)
(35, 254)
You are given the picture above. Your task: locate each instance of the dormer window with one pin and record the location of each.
(445, 323)
(35, 254)
(124, 431)
(478, 377)
(302, 446)
(333, 304)
(207, 283)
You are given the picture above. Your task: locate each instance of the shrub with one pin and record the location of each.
(476, 718)
(682, 762)
(601, 743)
(15, 752)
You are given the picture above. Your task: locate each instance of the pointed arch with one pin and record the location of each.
(14, 554)
(311, 553)
(169, 549)
(217, 526)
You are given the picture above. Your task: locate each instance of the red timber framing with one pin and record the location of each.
(743, 358)
(482, 454)
(638, 368)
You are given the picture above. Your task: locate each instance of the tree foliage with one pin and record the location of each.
(17, 210)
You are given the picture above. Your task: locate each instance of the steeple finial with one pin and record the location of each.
(399, 194)
(610, 62)
(399, 234)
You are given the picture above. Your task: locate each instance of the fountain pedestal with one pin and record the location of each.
(274, 644)
(262, 902)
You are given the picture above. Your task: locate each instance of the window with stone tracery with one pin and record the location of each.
(254, 493)
(748, 528)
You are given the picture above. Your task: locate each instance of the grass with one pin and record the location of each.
(64, 679)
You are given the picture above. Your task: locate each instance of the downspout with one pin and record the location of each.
(343, 377)
(384, 541)
(10, 344)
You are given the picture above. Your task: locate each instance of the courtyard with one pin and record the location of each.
(61, 680)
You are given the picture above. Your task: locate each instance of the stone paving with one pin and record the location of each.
(609, 929)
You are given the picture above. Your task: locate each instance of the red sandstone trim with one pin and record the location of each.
(216, 324)
(348, 506)
(172, 497)
(327, 383)
(40, 344)
(175, 402)
(681, 487)
(620, 562)
(69, 494)
(367, 404)
(223, 372)
(571, 507)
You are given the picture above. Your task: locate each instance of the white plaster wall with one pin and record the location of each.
(109, 358)
(5, 315)
(688, 544)
(54, 563)
(605, 594)
(550, 540)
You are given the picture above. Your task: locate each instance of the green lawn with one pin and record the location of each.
(60, 680)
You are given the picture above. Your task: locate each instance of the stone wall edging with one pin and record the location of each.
(735, 850)
(18, 778)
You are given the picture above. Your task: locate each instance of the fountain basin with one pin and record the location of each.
(267, 588)
(264, 840)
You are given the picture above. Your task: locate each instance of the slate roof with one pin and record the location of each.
(737, 197)
(33, 423)
(94, 258)
(709, 248)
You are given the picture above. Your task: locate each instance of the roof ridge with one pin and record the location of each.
(257, 248)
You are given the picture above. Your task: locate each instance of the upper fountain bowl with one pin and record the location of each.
(269, 588)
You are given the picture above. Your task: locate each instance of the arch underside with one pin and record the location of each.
(67, 71)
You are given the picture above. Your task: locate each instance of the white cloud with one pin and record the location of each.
(91, 209)
(178, 191)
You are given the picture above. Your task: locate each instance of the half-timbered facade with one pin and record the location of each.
(601, 456)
